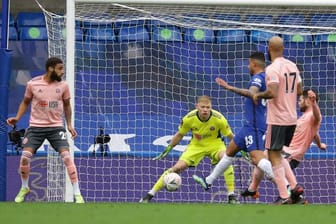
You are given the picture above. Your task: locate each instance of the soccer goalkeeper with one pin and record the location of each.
(250, 137)
(207, 127)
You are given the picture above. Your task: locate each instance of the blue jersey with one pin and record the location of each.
(255, 115)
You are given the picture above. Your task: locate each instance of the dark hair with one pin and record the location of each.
(52, 62)
(305, 94)
(258, 56)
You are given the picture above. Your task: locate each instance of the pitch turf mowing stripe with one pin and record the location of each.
(162, 213)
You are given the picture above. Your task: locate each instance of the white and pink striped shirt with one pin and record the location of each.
(303, 136)
(47, 102)
(281, 110)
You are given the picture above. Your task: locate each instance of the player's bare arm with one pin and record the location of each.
(243, 92)
(315, 107)
(230, 136)
(176, 139)
(318, 142)
(21, 111)
(68, 114)
(223, 83)
(299, 89)
(271, 92)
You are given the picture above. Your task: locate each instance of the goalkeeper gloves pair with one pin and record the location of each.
(164, 153)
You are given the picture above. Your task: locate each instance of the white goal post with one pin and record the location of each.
(132, 81)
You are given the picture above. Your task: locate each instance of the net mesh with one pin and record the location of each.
(55, 176)
(140, 67)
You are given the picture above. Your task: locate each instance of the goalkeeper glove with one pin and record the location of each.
(164, 153)
(245, 155)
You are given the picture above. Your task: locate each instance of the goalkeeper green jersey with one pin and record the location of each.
(205, 132)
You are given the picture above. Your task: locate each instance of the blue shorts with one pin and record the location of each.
(249, 138)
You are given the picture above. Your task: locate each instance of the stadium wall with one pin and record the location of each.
(127, 184)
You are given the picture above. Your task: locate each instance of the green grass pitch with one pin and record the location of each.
(162, 213)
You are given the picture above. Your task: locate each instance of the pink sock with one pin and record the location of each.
(257, 176)
(25, 167)
(280, 180)
(289, 174)
(70, 166)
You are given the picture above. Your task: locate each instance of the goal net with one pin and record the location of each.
(55, 176)
(138, 69)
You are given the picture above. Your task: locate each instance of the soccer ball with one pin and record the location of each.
(172, 181)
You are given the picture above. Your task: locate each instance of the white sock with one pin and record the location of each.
(266, 166)
(76, 190)
(230, 193)
(24, 183)
(223, 164)
(152, 192)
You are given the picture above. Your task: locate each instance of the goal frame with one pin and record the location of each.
(70, 40)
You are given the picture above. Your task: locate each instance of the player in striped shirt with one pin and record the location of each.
(49, 97)
(284, 85)
(306, 132)
(307, 129)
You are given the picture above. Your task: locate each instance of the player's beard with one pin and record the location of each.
(303, 108)
(55, 77)
(269, 56)
(251, 72)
